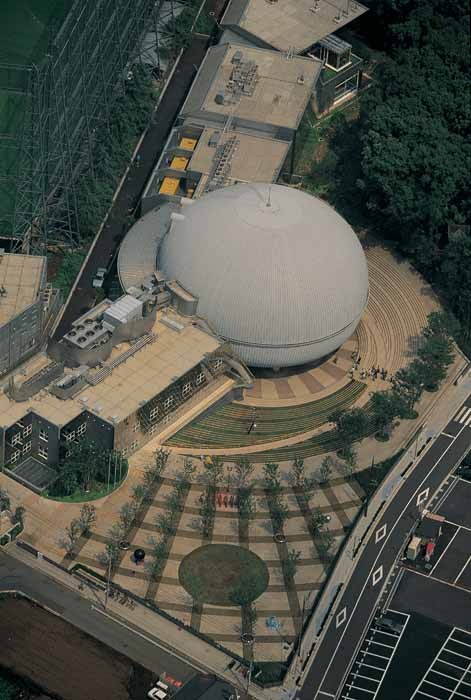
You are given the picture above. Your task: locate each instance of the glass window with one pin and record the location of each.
(42, 451)
(43, 435)
(81, 429)
(200, 378)
(16, 440)
(70, 436)
(186, 389)
(27, 447)
(15, 456)
(27, 430)
(154, 413)
(169, 401)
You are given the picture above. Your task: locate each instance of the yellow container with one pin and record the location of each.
(169, 185)
(179, 163)
(188, 144)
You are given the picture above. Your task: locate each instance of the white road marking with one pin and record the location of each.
(341, 617)
(422, 497)
(460, 413)
(378, 575)
(381, 532)
(442, 554)
(398, 520)
(461, 527)
(463, 569)
(464, 416)
(388, 646)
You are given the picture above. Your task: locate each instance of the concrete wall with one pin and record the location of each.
(21, 337)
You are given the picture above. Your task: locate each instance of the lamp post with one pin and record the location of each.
(253, 424)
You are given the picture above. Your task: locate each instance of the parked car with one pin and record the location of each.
(159, 691)
(99, 278)
(389, 625)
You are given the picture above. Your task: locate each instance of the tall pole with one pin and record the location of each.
(109, 472)
(249, 677)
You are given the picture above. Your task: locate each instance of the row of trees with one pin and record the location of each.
(424, 373)
(142, 495)
(167, 521)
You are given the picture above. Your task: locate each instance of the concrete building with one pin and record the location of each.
(304, 27)
(237, 125)
(255, 89)
(125, 372)
(275, 271)
(198, 159)
(27, 307)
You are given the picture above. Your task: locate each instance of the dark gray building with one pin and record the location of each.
(27, 307)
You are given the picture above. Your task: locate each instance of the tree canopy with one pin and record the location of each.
(415, 146)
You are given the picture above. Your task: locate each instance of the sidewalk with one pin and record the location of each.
(153, 627)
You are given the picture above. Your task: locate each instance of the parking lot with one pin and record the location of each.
(449, 675)
(375, 656)
(429, 654)
(453, 560)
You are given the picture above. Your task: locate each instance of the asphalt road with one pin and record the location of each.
(17, 576)
(360, 597)
(129, 195)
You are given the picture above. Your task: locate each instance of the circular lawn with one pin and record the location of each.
(223, 574)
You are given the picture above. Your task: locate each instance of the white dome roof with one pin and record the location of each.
(277, 272)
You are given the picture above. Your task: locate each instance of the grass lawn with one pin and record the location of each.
(217, 573)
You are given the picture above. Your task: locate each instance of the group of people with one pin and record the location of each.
(227, 500)
(373, 373)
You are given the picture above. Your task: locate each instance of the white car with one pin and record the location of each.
(159, 691)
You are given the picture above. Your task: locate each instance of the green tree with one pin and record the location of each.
(87, 518)
(244, 470)
(350, 425)
(127, 513)
(73, 533)
(272, 477)
(409, 386)
(290, 564)
(4, 500)
(214, 467)
(324, 545)
(384, 408)
(279, 514)
(326, 468)
(298, 472)
(349, 462)
(246, 502)
(318, 520)
(19, 515)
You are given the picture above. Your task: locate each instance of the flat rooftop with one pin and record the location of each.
(20, 277)
(254, 159)
(135, 381)
(291, 24)
(280, 94)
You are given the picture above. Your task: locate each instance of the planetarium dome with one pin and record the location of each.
(277, 272)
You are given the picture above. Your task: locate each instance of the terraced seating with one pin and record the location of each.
(228, 426)
(319, 444)
(396, 309)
